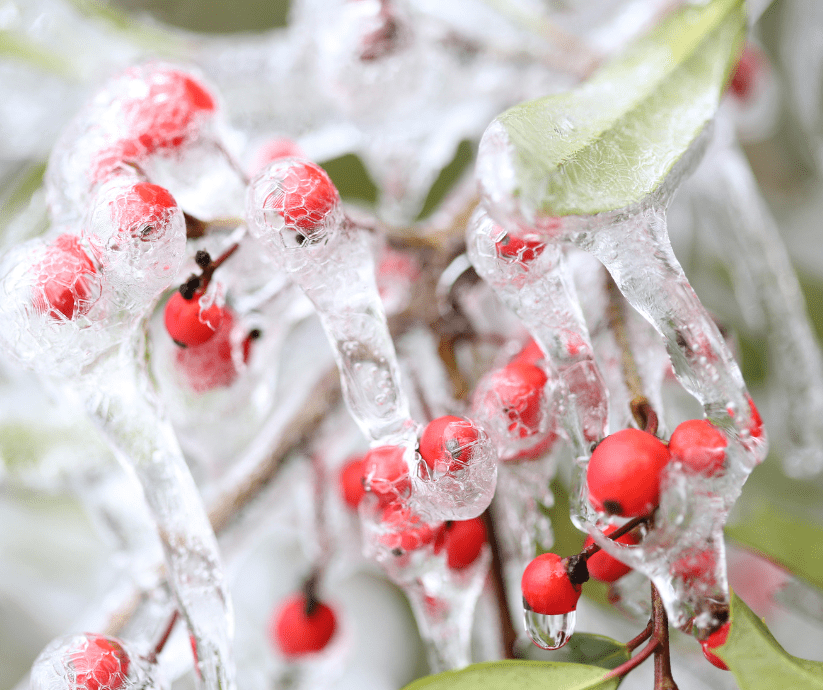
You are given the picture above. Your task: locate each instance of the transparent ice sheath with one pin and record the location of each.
(633, 245)
(334, 266)
(727, 201)
(103, 359)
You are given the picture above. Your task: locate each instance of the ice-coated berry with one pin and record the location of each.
(530, 354)
(463, 541)
(522, 249)
(514, 392)
(699, 446)
(447, 443)
(212, 365)
(351, 481)
(275, 149)
(386, 473)
(546, 586)
(101, 664)
(188, 324)
(625, 471)
(304, 196)
(716, 639)
(404, 530)
(64, 284)
(296, 632)
(143, 211)
(605, 567)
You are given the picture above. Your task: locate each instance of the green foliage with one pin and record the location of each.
(586, 648)
(612, 141)
(756, 659)
(523, 675)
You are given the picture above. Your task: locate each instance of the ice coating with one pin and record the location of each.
(529, 273)
(149, 110)
(294, 210)
(727, 200)
(91, 662)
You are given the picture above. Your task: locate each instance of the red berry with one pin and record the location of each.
(304, 197)
(605, 567)
(546, 586)
(756, 424)
(516, 391)
(386, 473)
(164, 115)
(295, 632)
(448, 442)
(143, 211)
(211, 365)
(624, 473)
(63, 287)
(188, 324)
(351, 481)
(276, 149)
(405, 530)
(519, 248)
(699, 446)
(530, 354)
(113, 157)
(746, 73)
(463, 541)
(101, 664)
(716, 639)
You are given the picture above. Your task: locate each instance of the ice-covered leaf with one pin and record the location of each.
(794, 543)
(612, 141)
(522, 675)
(757, 660)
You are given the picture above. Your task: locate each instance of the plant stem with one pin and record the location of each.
(592, 549)
(161, 643)
(507, 630)
(634, 643)
(662, 664)
(635, 661)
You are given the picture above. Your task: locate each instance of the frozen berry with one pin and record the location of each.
(530, 354)
(386, 473)
(463, 541)
(187, 323)
(447, 443)
(351, 481)
(297, 629)
(521, 249)
(546, 586)
(716, 639)
(624, 473)
(102, 664)
(273, 150)
(699, 446)
(143, 211)
(514, 392)
(65, 285)
(404, 530)
(604, 567)
(304, 197)
(211, 364)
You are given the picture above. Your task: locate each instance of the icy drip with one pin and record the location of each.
(535, 283)
(729, 201)
(549, 632)
(117, 394)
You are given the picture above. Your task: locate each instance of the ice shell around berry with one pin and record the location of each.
(292, 204)
(90, 662)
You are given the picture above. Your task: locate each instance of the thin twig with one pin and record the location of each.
(635, 642)
(507, 630)
(161, 643)
(663, 679)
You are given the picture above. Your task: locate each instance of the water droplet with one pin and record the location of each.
(549, 632)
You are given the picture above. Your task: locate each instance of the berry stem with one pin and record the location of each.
(635, 642)
(619, 532)
(663, 679)
(507, 631)
(161, 643)
(635, 661)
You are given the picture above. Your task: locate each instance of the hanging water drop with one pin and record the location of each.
(549, 632)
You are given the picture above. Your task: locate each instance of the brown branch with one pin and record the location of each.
(161, 643)
(663, 679)
(635, 642)
(507, 630)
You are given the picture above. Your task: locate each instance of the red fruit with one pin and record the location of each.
(517, 391)
(211, 364)
(604, 567)
(756, 424)
(62, 284)
(295, 632)
(699, 446)
(188, 324)
(113, 157)
(143, 211)
(523, 250)
(276, 149)
(447, 443)
(530, 354)
(463, 541)
(164, 116)
(101, 664)
(305, 196)
(351, 481)
(546, 586)
(716, 639)
(405, 530)
(624, 473)
(386, 473)
(746, 73)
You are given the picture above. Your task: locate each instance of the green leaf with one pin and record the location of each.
(757, 660)
(612, 141)
(793, 543)
(519, 675)
(586, 648)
